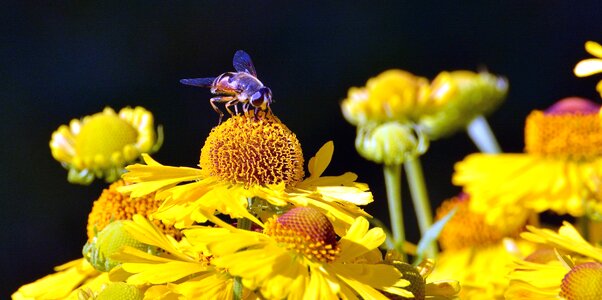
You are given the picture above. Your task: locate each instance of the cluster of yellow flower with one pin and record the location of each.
(248, 223)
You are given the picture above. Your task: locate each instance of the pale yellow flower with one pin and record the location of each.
(102, 144)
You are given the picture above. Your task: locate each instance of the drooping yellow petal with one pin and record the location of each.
(144, 231)
(567, 238)
(317, 164)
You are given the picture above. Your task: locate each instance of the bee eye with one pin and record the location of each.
(257, 98)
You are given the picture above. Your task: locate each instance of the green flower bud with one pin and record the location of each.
(120, 291)
(113, 237)
(462, 96)
(389, 143)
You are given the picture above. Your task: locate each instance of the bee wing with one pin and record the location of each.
(242, 63)
(200, 82)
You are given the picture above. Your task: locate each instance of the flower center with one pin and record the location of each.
(570, 128)
(467, 228)
(583, 282)
(112, 206)
(101, 135)
(253, 151)
(306, 231)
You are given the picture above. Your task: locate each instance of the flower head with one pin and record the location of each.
(269, 173)
(475, 253)
(102, 144)
(278, 264)
(394, 95)
(559, 172)
(461, 96)
(591, 66)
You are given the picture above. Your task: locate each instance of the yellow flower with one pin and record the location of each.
(560, 171)
(394, 95)
(249, 158)
(63, 284)
(183, 270)
(298, 256)
(573, 270)
(101, 145)
(461, 96)
(476, 254)
(591, 66)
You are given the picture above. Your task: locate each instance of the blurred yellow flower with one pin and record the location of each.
(394, 95)
(591, 66)
(573, 271)
(102, 144)
(460, 97)
(476, 254)
(560, 171)
(249, 158)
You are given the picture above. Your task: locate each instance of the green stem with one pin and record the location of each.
(245, 224)
(393, 185)
(237, 288)
(482, 135)
(420, 198)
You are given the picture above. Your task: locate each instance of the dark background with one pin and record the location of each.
(63, 61)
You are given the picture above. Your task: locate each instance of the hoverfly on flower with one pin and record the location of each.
(237, 87)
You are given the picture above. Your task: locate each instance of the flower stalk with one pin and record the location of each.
(482, 136)
(392, 174)
(420, 198)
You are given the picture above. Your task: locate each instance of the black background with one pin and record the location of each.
(61, 61)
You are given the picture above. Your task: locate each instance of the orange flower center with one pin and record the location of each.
(306, 231)
(570, 128)
(253, 151)
(112, 206)
(466, 228)
(583, 282)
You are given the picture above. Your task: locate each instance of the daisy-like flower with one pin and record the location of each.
(591, 66)
(298, 256)
(102, 144)
(249, 159)
(560, 171)
(570, 268)
(476, 254)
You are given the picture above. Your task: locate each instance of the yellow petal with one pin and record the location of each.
(318, 163)
(593, 48)
(588, 67)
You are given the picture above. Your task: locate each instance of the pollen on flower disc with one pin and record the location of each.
(112, 206)
(583, 282)
(253, 151)
(571, 128)
(307, 231)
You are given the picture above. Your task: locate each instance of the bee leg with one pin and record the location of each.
(219, 99)
(256, 111)
(232, 102)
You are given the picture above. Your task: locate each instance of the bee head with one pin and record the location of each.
(261, 98)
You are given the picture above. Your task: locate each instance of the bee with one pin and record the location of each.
(233, 88)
